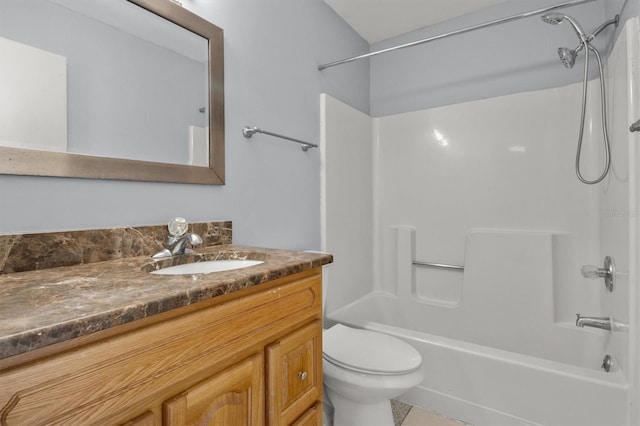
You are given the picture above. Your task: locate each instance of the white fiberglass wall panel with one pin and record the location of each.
(467, 179)
(615, 208)
(347, 201)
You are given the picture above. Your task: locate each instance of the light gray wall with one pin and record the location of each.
(509, 58)
(630, 8)
(272, 195)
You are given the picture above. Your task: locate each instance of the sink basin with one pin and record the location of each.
(207, 267)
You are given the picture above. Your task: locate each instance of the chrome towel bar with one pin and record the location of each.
(247, 132)
(438, 265)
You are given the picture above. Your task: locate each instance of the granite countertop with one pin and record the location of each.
(44, 307)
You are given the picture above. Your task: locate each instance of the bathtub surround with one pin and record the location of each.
(346, 146)
(490, 185)
(30, 252)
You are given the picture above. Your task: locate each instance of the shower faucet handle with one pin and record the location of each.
(591, 271)
(608, 272)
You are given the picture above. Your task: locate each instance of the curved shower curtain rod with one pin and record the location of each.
(456, 32)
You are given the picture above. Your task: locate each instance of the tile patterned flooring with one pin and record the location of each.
(406, 415)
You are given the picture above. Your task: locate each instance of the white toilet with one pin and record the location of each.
(363, 371)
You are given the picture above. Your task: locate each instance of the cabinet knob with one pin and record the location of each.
(302, 375)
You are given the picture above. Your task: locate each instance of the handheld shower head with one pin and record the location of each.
(558, 18)
(567, 56)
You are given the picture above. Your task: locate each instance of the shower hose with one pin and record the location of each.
(603, 104)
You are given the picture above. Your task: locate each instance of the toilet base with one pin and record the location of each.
(352, 413)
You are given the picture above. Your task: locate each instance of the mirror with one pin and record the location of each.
(133, 93)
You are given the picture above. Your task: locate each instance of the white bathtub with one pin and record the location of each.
(482, 385)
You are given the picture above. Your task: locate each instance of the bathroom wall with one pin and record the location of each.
(272, 190)
(503, 59)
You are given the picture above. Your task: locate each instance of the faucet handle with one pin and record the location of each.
(591, 272)
(195, 239)
(177, 226)
(608, 272)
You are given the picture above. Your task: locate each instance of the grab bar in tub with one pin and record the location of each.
(438, 265)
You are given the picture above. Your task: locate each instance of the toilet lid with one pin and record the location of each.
(368, 351)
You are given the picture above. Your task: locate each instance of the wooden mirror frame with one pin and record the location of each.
(16, 161)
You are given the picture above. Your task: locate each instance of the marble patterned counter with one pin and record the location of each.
(39, 308)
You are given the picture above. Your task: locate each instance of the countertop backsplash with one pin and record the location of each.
(32, 252)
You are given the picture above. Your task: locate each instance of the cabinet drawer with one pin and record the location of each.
(313, 417)
(147, 419)
(294, 374)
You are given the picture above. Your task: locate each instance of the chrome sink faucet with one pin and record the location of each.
(178, 240)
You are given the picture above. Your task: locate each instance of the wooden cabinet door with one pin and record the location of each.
(294, 374)
(233, 397)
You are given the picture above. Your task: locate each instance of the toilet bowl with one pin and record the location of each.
(363, 370)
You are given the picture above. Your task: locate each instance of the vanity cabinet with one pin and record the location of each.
(250, 357)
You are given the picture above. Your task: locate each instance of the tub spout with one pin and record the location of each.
(596, 322)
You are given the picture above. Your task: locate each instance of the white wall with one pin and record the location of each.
(272, 49)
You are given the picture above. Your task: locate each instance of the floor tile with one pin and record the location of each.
(418, 417)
